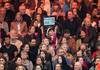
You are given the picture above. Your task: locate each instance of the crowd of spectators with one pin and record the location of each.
(72, 43)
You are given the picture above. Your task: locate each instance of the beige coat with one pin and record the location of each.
(23, 26)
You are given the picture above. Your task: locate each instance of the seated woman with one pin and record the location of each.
(25, 61)
(34, 33)
(2, 21)
(19, 25)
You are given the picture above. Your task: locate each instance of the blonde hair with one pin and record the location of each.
(20, 16)
(23, 68)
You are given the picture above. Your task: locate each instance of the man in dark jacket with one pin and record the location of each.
(71, 23)
(9, 48)
(26, 18)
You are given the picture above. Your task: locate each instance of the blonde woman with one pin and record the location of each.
(19, 25)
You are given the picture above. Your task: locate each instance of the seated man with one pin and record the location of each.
(9, 48)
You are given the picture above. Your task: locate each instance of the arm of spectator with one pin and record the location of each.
(11, 26)
(56, 28)
(25, 30)
(6, 28)
(43, 34)
(36, 2)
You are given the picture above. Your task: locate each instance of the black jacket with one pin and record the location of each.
(72, 26)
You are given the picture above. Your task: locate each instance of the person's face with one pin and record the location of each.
(43, 48)
(33, 42)
(51, 33)
(26, 48)
(38, 61)
(7, 40)
(87, 22)
(88, 15)
(38, 68)
(55, 7)
(75, 11)
(36, 24)
(24, 55)
(60, 52)
(79, 53)
(64, 47)
(90, 1)
(38, 17)
(2, 61)
(46, 41)
(77, 66)
(64, 41)
(74, 5)
(2, 11)
(42, 54)
(1, 67)
(61, 1)
(58, 67)
(7, 5)
(32, 30)
(66, 35)
(81, 60)
(70, 15)
(54, 13)
(21, 68)
(22, 9)
(97, 61)
(18, 17)
(95, 12)
(83, 47)
(19, 61)
(83, 34)
(39, 10)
